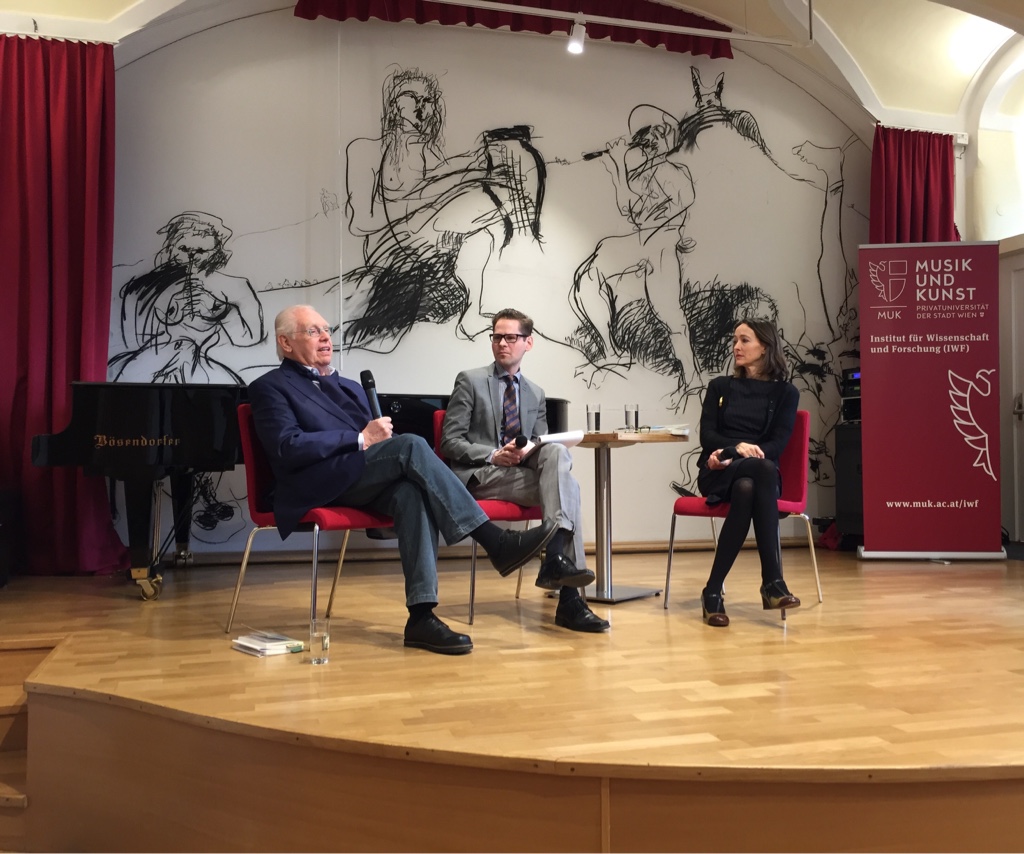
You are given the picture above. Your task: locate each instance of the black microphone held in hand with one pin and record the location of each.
(370, 387)
(521, 441)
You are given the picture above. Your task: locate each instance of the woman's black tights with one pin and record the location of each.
(754, 496)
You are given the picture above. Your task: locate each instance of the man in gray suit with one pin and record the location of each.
(488, 409)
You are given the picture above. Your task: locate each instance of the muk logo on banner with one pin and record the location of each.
(930, 399)
(889, 279)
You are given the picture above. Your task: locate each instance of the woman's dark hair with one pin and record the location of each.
(775, 367)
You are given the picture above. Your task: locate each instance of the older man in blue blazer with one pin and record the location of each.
(488, 409)
(325, 447)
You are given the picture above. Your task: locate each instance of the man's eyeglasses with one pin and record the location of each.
(316, 331)
(510, 338)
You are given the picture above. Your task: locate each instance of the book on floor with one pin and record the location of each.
(266, 643)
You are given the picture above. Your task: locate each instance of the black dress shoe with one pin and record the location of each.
(712, 608)
(431, 634)
(775, 596)
(518, 547)
(557, 571)
(575, 615)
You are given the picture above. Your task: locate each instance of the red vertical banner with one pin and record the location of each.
(929, 341)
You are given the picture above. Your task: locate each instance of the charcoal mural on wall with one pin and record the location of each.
(411, 181)
(180, 322)
(415, 207)
(178, 317)
(635, 302)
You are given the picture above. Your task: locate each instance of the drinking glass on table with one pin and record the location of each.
(632, 417)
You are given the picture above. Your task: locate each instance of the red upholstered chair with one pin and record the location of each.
(496, 510)
(792, 502)
(258, 480)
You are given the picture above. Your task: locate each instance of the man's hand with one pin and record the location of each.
(377, 431)
(509, 455)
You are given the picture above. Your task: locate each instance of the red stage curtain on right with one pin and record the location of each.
(912, 187)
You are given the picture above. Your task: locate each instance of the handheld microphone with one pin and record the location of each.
(593, 155)
(370, 387)
(521, 441)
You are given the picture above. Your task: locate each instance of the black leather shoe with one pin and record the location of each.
(775, 596)
(432, 635)
(712, 608)
(557, 571)
(576, 616)
(518, 547)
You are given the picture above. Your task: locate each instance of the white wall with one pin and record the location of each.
(250, 122)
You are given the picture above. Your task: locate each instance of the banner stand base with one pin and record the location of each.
(863, 554)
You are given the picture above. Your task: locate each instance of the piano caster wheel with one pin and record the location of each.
(150, 588)
(183, 558)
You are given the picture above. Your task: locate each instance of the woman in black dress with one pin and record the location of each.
(745, 423)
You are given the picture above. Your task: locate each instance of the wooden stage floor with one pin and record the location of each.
(889, 717)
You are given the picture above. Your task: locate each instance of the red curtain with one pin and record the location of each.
(56, 252)
(423, 11)
(912, 187)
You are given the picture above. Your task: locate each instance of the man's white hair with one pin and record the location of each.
(285, 324)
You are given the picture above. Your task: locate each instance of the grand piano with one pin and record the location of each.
(141, 433)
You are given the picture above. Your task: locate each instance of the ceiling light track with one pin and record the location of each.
(638, 25)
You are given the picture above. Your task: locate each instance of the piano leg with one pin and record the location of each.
(139, 501)
(182, 499)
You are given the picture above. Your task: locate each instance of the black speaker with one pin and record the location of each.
(849, 480)
(12, 534)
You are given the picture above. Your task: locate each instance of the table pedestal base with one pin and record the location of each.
(620, 593)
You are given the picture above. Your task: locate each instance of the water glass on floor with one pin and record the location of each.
(319, 640)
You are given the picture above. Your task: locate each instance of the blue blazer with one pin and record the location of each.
(311, 437)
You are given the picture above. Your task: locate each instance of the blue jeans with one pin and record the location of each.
(404, 479)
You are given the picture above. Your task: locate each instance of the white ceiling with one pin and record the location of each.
(951, 65)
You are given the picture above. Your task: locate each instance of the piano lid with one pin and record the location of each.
(146, 429)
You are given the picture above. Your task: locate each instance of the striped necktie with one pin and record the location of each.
(510, 412)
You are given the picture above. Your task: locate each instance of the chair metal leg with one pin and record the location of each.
(337, 574)
(778, 557)
(472, 581)
(241, 575)
(316, 554)
(519, 583)
(814, 556)
(668, 568)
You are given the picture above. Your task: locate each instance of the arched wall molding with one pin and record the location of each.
(174, 27)
(827, 40)
(843, 104)
(131, 20)
(1005, 71)
(980, 108)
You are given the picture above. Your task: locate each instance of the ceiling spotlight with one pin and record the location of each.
(579, 32)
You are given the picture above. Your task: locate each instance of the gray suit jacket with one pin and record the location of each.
(472, 425)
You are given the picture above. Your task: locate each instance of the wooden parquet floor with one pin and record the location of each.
(907, 669)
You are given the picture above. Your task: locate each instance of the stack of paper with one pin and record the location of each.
(266, 643)
(570, 439)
